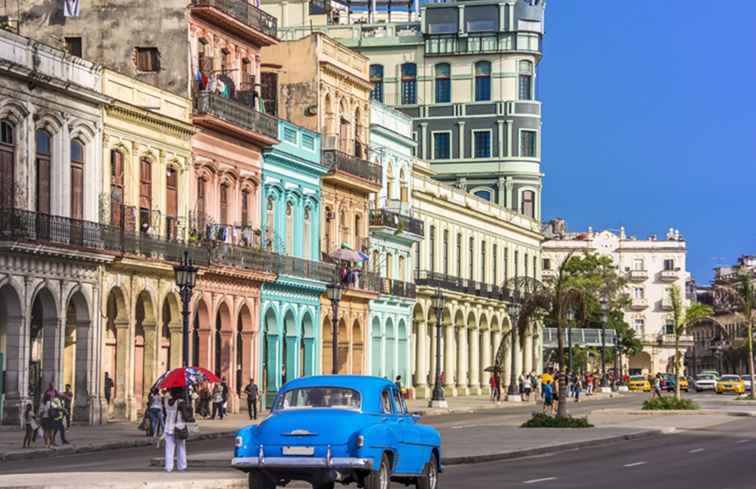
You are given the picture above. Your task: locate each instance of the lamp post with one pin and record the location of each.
(617, 363)
(604, 320)
(334, 291)
(513, 308)
(570, 319)
(438, 400)
(186, 277)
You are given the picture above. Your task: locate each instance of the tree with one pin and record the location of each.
(741, 296)
(684, 319)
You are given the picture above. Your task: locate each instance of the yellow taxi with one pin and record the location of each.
(639, 383)
(730, 383)
(684, 386)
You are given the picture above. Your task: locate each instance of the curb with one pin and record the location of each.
(433, 412)
(475, 459)
(670, 412)
(89, 448)
(240, 483)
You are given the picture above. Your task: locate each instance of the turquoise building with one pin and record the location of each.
(394, 234)
(290, 306)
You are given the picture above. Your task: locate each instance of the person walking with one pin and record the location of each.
(57, 414)
(217, 401)
(155, 411)
(67, 404)
(31, 426)
(176, 431)
(252, 393)
(398, 384)
(108, 387)
(578, 386)
(204, 400)
(548, 397)
(526, 386)
(589, 385)
(224, 405)
(492, 385)
(47, 423)
(657, 387)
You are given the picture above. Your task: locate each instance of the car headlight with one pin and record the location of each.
(360, 441)
(238, 442)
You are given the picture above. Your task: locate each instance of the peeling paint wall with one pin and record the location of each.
(111, 30)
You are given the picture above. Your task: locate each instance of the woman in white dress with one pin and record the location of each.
(175, 431)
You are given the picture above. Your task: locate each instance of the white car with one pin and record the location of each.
(705, 382)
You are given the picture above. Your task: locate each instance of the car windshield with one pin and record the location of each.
(318, 397)
(730, 377)
(705, 377)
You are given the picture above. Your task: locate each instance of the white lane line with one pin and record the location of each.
(696, 450)
(535, 481)
(635, 464)
(742, 441)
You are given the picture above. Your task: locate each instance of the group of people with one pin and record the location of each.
(527, 384)
(211, 403)
(52, 417)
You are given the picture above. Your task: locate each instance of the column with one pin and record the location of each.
(461, 130)
(449, 358)
(500, 138)
(150, 357)
(52, 353)
(486, 356)
(475, 362)
(528, 354)
(176, 330)
(83, 368)
(509, 138)
(292, 357)
(462, 381)
(16, 368)
(537, 348)
(121, 395)
(518, 356)
(506, 371)
(421, 360)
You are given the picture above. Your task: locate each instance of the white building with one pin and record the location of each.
(652, 267)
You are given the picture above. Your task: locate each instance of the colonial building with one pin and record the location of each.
(323, 86)
(50, 257)
(394, 232)
(652, 266)
(471, 247)
(290, 306)
(466, 72)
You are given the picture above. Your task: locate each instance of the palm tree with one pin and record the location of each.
(742, 297)
(684, 319)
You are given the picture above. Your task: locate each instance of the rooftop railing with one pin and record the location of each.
(395, 220)
(457, 284)
(236, 113)
(353, 165)
(243, 12)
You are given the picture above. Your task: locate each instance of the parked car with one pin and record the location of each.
(705, 382)
(731, 383)
(340, 428)
(710, 372)
(639, 383)
(668, 383)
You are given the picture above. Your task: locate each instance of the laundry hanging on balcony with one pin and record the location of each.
(71, 8)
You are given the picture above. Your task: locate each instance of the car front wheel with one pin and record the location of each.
(258, 480)
(429, 479)
(381, 478)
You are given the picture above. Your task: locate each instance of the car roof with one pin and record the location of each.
(369, 387)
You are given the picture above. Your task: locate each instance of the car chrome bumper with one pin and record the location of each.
(244, 463)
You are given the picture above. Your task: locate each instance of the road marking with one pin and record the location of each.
(635, 464)
(742, 441)
(535, 481)
(696, 450)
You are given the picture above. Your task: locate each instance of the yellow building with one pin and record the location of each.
(147, 153)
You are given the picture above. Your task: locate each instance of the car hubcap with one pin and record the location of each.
(432, 476)
(384, 477)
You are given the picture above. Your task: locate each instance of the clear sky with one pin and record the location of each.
(649, 121)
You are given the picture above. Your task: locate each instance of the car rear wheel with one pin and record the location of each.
(429, 479)
(381, 478)
(258, 480)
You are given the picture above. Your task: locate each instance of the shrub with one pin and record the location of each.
(540, 420)
(665, 403)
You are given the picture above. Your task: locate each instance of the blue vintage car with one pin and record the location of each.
(339, 428)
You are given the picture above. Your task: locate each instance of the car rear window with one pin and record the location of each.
(730, 377)
(637, 377)
(318, 397)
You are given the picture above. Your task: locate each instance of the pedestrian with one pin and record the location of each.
(657, 387)
(31, 426)
(548, 396)
(67, 403)
(578, 387)
(224, 405)
(492, 385)
(217, 401)
(204, 401)
(589, 384)
(108, 387)
(526, 387)
(57, 414)
(176, 431)
(155, 411)
(398, 384)
(252, 393)
(47, 424)
(534, 385)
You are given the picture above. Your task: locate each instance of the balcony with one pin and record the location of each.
(239, 17)
(548, 274)
(366, 282)
(638, 304)
(669, 275)
(637, 275)
(398, 223)
(666, 304)
(299, 267)
(398, 288)
(462, 285)
(369, 176)
(473, 43)
(230, 116)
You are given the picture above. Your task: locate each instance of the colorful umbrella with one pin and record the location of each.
(183, 377)
(346, 255)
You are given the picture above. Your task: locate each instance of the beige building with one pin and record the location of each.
(651, 266)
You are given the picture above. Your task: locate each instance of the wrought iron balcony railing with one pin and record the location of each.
(243, 12)
(236, 113)
(338, 160)
(457, 284)
(398, 288)
(394, 220)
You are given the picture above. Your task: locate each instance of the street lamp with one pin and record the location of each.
(570, 319)
(186, 277)
(437, 302)
(617, 362)
(513, 308)
(604, 320)
(333, 292)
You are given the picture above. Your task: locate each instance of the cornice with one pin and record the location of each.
(153, 119)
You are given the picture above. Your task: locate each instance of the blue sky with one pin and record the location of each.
(649, 110)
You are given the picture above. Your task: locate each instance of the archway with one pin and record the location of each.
(307, 346)
(145, 344)
(245, 353)
(402, 351)
(289, 350)
(115, 354)
(222, 342)
(342, 351)
(270, 369)
(171, 345)
(44, 352)
(76, 357)
(390, 360)
(640, 364)
(11, 341)
(327, 349)
(358, 348)
(376, 350)
(201, 334)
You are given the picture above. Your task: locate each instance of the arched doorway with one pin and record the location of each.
(145, 343)
(327, 349)
(222, 342)
(43, 368)
(289, 348)
(390, 353)
(640, 364)
(342, 357)
(171, 340)
(115, 354)
(76, 355)
(376, 347)
(245, 354)
(11, 323)
(402, 351)
(271, 377)
(308, 345)
(201, 335)
(164, 353)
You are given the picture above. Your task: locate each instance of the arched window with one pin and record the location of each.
(245, 208)
(77, 180)
(116, 188)
(343, 128)
(376, 78)
(409, 84)
(171, 202)
(389, 181)
(306, 230)
(376, 261)
(201, 202)
(145, 193)
(402, 270)
(483, 194)
(528, 203)
(328, 215)
(342, 227)
(482, 80)
(224, 203)
(289, 229)
(389, 266)
(44, 155)
(443, 83)
(270, 221)
(358, 232)
(403, 187)
(7, 165)
(525, 91)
